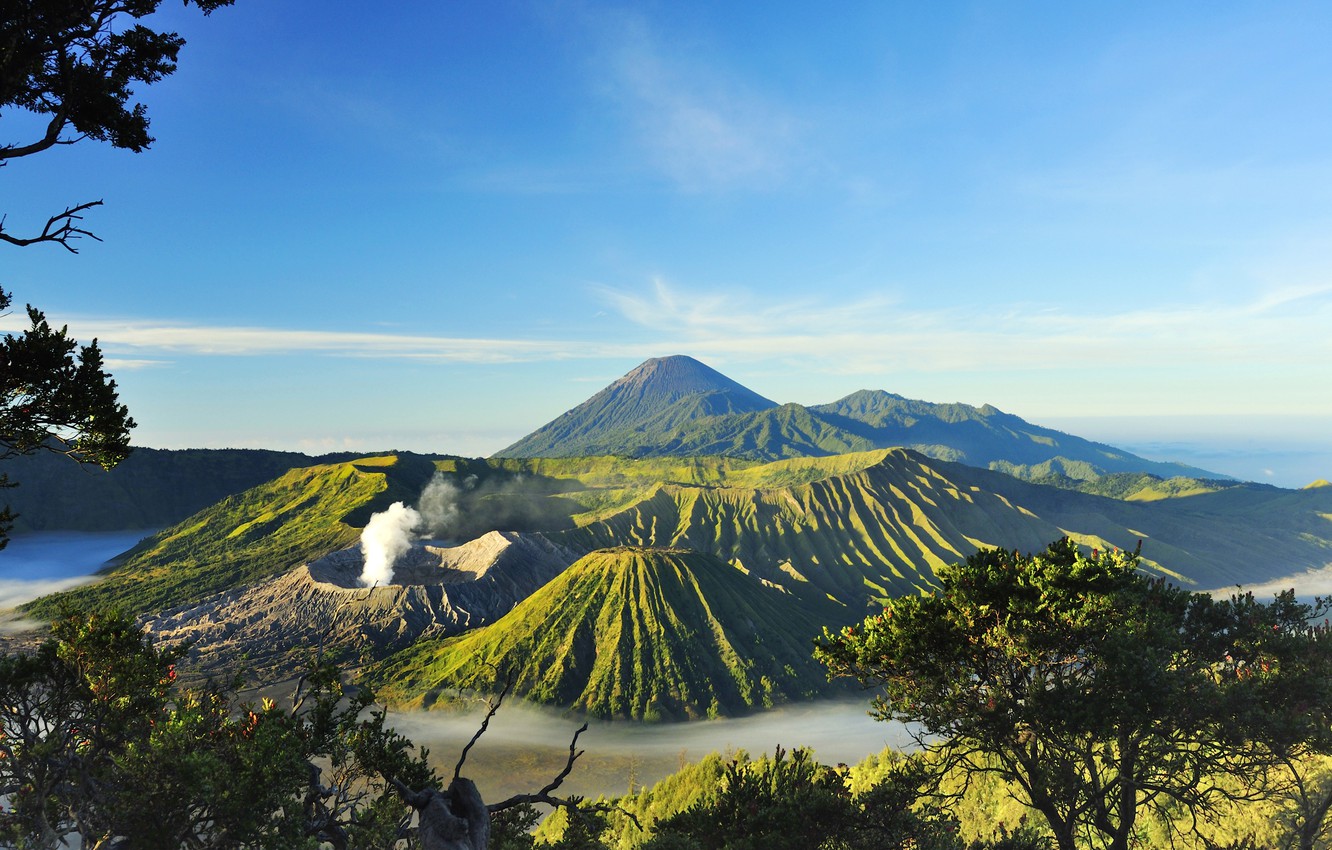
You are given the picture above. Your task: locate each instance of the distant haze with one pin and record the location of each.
(1286, 451)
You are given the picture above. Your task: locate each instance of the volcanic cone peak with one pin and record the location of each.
(669, 379)
(646, 633)
(434, 563)
(658, 394)
(437, 591)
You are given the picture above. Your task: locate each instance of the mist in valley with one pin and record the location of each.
(526, 746)
(39, 563)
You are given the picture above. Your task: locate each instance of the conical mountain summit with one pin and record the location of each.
(657, 396)
(678, 407)
(629, 632)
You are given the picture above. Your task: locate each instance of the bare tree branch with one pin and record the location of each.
(485, 724)
(60, 228)
(543, 796)
(49, 139)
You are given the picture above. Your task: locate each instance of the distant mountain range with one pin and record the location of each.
(261, 574)
(677, 406)
(666, 407)
(644, 581)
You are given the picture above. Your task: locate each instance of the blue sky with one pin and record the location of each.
(436, 226)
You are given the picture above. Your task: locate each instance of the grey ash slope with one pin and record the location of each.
(678, 407)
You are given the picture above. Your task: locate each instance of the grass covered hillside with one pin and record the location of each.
(645, 633)
(298, 517)
(852, 527)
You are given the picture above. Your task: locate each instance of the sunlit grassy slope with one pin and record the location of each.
(872, 524)
(854, 527)
(299, 516)
(654, 634)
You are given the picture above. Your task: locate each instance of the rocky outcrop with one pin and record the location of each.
(267, 630)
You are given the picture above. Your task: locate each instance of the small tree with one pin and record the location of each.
(56, 396)
(1094, 689)
(791, 801)
(96, 741)
(74, 65)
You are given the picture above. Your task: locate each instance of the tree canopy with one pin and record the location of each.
(74, 65)
(1096, 690)
(56, 396)
(99, 740)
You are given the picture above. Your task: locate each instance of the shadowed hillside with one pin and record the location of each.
(152, 488)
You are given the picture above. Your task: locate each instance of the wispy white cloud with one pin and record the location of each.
(1315, 582)
(1269, 347)
(887, 336)
(129, 364)
(129, 342)
(693, 313)
(14, 592)
(699, 124)
(1278, 328)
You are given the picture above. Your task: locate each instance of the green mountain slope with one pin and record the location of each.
(1242, 534)
(653, 398)
(986, 437)
(298, 517)
(860, 527)
(653, 412)
(854, 527)
(652, 634)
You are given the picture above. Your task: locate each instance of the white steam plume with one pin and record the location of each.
(386, 537)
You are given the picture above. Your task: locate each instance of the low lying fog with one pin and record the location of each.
(34, 565)
(525, 747)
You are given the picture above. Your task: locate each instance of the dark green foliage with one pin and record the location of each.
(786, 801)
(55, 396)
(1098, 692)
(75, 64)
(779, 803)
(640, 633)
(581, 828)
(511, 829)
(99, 743)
